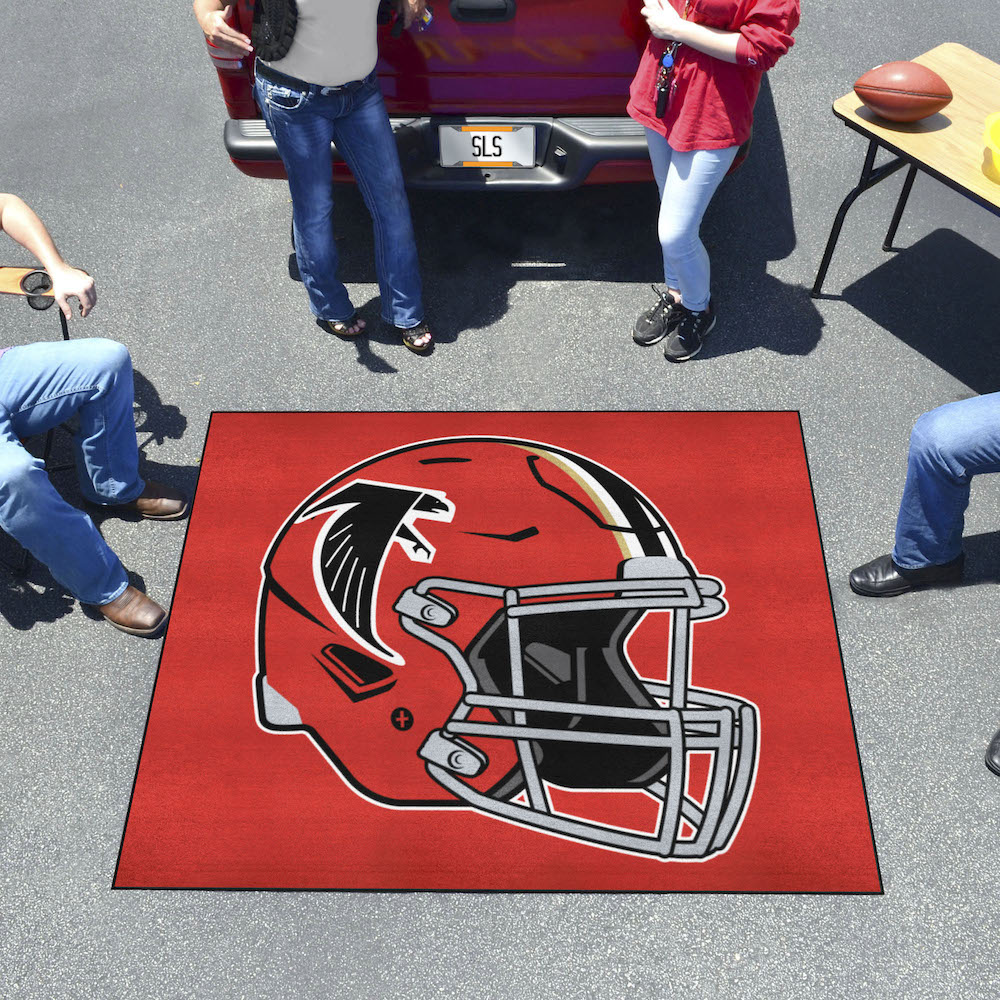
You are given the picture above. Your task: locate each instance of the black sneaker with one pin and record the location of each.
(654, 324)
(688, 338)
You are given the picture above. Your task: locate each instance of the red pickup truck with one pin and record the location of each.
(516, 94)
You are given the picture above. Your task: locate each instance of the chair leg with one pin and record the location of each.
(47, 450)
(21, 565)
(24, 563)
(49, 436)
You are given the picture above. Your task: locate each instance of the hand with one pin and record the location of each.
(224, 37)
(411, 10)
(72, 283)
(664, 22)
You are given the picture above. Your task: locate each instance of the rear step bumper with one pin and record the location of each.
(566, 151)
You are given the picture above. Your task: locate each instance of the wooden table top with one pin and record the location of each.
(949, 143)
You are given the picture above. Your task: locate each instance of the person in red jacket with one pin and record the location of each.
(694, 92)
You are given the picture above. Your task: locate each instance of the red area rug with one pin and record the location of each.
(501, 651)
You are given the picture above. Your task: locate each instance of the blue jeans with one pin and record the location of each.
(948, 447)
(304, 121)
(687, 182)
(42, 385)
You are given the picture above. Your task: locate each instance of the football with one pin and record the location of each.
(903, 91)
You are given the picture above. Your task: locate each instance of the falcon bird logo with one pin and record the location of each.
(368, 518)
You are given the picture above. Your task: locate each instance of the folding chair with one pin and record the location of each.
(35, 287)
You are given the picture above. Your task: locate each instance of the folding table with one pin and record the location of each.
(948, 145)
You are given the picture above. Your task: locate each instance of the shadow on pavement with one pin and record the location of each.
(982, 558)
(474, 247)
(749, 224)
(153, 417)
(26, 601)
(942, 297)
(375, 330)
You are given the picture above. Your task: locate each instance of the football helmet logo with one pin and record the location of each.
(368, 518)
(504, 591)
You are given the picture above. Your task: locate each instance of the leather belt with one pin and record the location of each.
(265, 72)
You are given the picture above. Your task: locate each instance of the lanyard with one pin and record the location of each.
(666, 71)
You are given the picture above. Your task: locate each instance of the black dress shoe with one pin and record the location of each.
(993, 753)
(883, 578)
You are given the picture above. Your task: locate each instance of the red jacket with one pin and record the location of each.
(711, 101)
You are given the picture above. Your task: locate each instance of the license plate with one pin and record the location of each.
(487, 145)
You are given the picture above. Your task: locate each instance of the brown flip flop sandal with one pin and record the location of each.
(411, 335)
(342, 327)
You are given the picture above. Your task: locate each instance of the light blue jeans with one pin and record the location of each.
(687, 182)
(41, 386)
(948, 447)
(304, 121)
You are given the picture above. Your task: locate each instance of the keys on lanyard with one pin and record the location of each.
(667, 69)
(663, 79)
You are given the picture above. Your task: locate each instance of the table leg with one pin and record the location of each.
(870, 176)
(900, 205)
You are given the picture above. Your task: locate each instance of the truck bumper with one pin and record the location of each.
(568, 152)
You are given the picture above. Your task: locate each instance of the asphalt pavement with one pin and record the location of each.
(112, 130)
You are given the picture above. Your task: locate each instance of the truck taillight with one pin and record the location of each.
(226, 61)
(222, 60)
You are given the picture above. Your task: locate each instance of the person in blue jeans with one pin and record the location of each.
(41, 386)
(694, 93)
(948, 447)
(315, 84)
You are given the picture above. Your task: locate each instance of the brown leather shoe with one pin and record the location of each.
(135, 613)
(158, 502)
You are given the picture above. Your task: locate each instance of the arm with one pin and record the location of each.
(712, 41)
(211, 15)
(664, 22)
(763, 38)
(21, 224)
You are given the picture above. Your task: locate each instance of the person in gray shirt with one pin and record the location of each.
(315, 83)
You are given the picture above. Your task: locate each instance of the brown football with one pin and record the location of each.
(903, 91)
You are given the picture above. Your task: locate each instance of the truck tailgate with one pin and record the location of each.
(552, 57)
